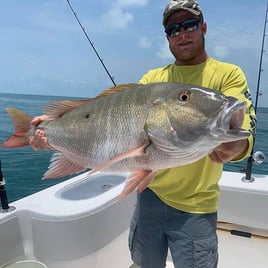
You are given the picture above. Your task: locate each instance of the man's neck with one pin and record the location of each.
(197, 60)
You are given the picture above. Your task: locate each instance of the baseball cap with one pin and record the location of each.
(176, 5)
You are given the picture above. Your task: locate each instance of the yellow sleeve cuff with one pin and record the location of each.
(246, 153)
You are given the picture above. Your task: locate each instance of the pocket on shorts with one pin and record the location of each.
(206, 252)
(132, 242)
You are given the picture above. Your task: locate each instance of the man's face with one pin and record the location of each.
(188, 46)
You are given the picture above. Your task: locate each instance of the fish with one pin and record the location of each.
(134, 128)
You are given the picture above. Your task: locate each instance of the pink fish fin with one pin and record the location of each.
(56, 109)
(61, 166)
(130, 153)
(116, 89)
(146, 181)
(138, 178)
(22, 126)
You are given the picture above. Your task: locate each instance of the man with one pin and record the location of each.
(179, 208)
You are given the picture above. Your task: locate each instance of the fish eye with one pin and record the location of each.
(185, 96)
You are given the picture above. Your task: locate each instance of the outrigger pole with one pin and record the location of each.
(91, 43)
(260, 156)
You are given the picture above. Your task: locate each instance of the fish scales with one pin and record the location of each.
(100, 130)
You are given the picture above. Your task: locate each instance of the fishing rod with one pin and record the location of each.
(91, 43)
(257, 157)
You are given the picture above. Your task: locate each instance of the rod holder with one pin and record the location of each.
(3, 194)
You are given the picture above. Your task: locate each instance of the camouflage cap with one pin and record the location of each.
(175, 5)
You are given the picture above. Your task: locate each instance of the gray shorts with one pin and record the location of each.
(155, 227)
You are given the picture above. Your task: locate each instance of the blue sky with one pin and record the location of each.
(43, 50)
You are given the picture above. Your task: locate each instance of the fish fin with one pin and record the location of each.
(147, 180)
(130, 153)
(61, 166)
(22, 126)
(138, 178)
(116, 89)
(56, 109)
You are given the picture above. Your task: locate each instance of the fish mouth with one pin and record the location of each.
(231, 118)
(233, 115)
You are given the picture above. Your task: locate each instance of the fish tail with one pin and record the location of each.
(22, 126)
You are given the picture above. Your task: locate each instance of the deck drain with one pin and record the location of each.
(106, 187)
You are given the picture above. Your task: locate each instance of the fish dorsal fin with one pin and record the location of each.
(56, 109)
(116, 89)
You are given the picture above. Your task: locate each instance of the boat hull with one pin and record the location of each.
(51, 227)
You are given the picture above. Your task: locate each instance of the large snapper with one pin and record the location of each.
(134, 128)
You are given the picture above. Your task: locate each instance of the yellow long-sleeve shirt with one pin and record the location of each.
(194, 188)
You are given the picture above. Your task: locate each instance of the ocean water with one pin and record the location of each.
(23, 167)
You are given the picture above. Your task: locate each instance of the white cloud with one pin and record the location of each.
(164, 52)
(221, 52)
(225, 40)
(127, 3)
(144, 42)
(116, 18)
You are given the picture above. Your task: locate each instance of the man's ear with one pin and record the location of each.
(204, 27)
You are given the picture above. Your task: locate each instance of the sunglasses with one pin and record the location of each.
(189, 25)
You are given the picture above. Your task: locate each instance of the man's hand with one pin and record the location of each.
(39, 140)
(229, 151)
(39, 119)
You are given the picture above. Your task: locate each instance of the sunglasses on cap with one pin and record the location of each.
(188, 25)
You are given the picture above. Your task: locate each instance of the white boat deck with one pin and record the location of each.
(236, 251)
(68, 225)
